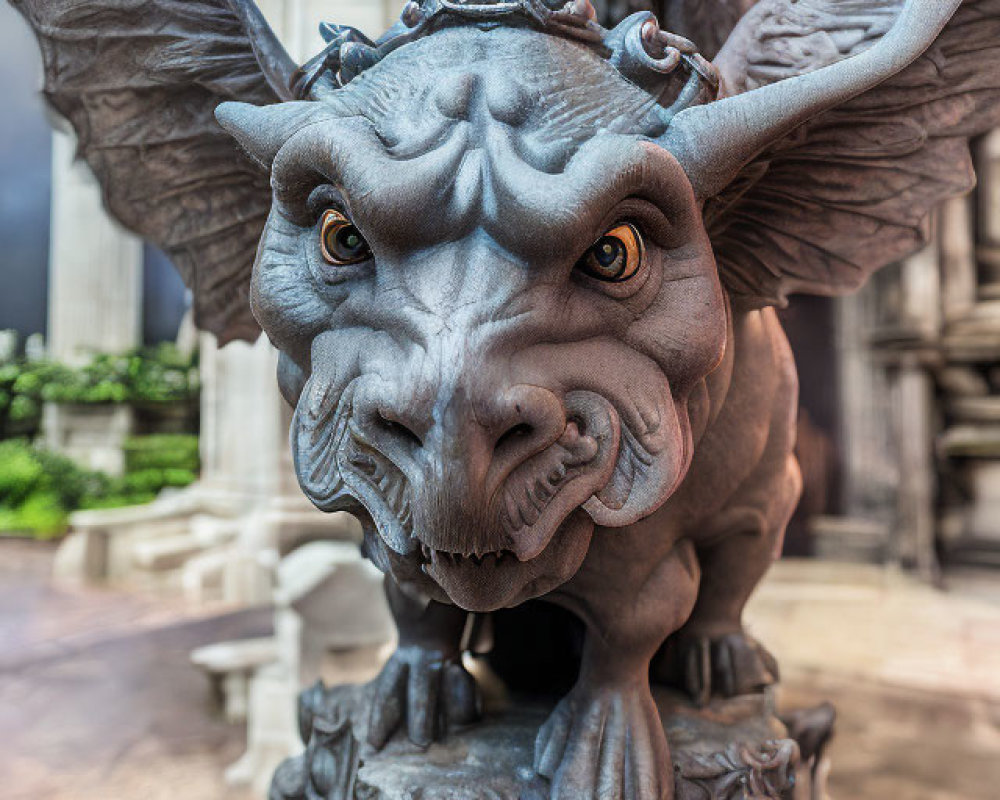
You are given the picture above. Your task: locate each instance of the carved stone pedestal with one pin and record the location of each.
(730, 750)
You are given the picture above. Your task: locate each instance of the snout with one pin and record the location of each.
(490, 474)
(491, 439)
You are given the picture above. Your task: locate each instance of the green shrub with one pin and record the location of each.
(117, 501)
(153, 480)
(20, 472)
(72, 483)
(155, 378)
(179, 478)
(162, 451)
(39, 489)
(42, 514)
(23, 408)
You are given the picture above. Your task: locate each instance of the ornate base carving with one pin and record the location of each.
(729, 750)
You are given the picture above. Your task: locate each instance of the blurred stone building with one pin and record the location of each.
(899, 432)
(901, 397)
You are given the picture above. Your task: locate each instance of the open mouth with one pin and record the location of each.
(483, 582)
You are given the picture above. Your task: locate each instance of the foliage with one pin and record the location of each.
(153, 376)
(163, 451)
(157, 377)
(21, 397)
(39, 489)
(20, 472)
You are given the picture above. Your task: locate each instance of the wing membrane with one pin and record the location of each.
(139, 81)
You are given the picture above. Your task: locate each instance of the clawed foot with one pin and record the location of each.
(426, 691)
(727, 666)
(605, 743)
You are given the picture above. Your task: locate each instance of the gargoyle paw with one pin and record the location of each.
(726, 666)
(605, 744)
(425, 691)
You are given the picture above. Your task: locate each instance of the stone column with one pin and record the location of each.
(987, 159)
(916, 525)
(868, 466)
(959, 279)
(95, 267)
(914, 412)
(95, 306)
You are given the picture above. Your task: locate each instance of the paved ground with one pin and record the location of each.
(914, 673)
(98, 700)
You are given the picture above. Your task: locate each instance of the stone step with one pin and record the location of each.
(166, 553)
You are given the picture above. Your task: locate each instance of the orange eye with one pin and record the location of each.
(341, 241)
(616, 257)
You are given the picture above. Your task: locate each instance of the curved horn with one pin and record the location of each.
(262, 130)
(714, 142)
(278, 67)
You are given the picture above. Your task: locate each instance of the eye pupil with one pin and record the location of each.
(608, 251)
(343, 243)
(616, 257)
(350, 239)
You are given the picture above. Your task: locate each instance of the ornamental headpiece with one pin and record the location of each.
(666, 65)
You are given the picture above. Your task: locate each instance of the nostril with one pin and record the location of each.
(398, 431)
(518, 433)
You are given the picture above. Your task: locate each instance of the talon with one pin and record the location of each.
(420, 692)
(605, 744)
(725, 666)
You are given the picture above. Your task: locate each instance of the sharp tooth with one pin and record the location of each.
(512, 512)
(529, 513)
(542, 493)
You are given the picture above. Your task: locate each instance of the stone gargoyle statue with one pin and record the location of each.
(522, 271)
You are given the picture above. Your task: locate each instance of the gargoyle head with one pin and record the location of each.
(494, 293)
(488, 272)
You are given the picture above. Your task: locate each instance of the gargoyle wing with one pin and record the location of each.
(139, 80)
(846, 186)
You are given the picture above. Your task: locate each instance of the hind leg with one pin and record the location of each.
(712, 654)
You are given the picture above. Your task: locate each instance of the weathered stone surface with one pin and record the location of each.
(730, 749)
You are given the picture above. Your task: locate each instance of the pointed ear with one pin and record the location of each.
(262, 130)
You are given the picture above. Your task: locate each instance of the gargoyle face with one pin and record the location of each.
(495, 301)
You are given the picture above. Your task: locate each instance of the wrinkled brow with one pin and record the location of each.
(474, 181)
